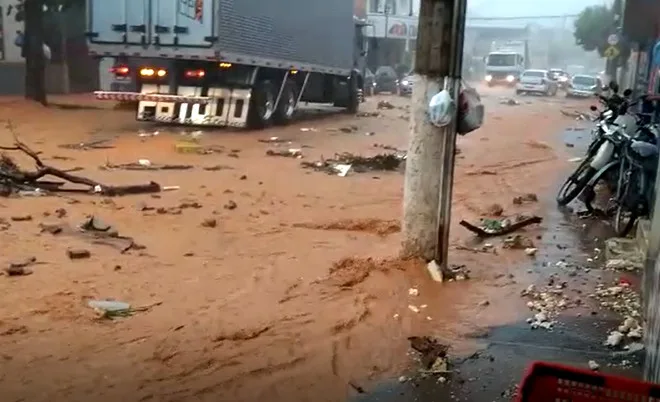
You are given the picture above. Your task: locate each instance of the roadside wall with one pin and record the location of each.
(70, 70)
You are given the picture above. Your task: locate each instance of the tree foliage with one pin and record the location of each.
(593, 26)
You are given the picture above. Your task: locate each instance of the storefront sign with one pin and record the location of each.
(394, 27)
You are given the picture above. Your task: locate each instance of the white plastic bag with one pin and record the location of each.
(470, 110)
(441, 109)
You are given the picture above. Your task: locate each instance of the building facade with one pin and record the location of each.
(392, 31)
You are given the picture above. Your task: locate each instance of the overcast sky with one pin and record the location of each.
(522, 8)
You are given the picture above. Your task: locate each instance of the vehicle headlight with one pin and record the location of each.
(373, 84)
(489, 78)
(510, 78)
(405, 83)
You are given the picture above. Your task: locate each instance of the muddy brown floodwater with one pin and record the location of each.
(294, 290)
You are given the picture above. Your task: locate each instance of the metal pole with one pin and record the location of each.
(452, 84)
(387, 18)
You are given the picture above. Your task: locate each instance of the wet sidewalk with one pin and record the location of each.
(493, 373)
(571, 250)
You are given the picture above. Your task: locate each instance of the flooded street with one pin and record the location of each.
(259, 276)
(571, 252)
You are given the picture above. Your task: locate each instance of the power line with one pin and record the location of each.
(533, 17)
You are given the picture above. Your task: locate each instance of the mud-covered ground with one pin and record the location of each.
(254, 280)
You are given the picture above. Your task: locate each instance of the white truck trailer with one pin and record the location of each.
(239, 63)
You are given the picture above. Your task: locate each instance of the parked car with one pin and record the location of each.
(386, 80)
(584, 86)
(561, 76)
(406, 84)
(538, 82)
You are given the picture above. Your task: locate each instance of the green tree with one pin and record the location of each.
(592, 28)
(32, 13)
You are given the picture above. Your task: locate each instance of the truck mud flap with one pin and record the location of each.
(226, 107)
(137, 96)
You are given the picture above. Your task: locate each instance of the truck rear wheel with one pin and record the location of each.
(262, 105)
(350, 97)
(287, 106)
(353, 103)
(354, 98)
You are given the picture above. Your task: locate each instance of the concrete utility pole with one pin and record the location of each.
(431, 151)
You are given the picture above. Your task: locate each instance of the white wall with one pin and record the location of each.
(382, 23)
(9, 27)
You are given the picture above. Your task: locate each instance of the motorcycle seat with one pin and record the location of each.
(644, 155)
(644, 149)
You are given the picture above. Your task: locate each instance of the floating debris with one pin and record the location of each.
(433, 354)
(574, 114)
(520, 242)
(531, 251)
(144, 164)
(509, 101)
(620, 298)
(110, 308)
(290, 153)
(277, 140)
(368, 114)
(500, 227)
(359, 164)
(548, 302)
(385, 105)
(529, 197)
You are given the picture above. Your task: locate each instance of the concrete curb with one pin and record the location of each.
(642, 236)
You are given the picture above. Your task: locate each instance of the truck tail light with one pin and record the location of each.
(120, 70)
(195, 73)
(150, 72)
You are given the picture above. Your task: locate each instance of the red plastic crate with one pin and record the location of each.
(546, 382)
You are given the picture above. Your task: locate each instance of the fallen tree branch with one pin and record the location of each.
(503, 231)
(12, 177)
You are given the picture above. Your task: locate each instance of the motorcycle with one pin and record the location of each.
(637, 172)
(601, 150)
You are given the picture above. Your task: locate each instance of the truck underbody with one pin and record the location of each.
(208, 93)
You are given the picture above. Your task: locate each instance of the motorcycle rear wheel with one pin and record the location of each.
(633, 209)
(621, 226)
(575, 183)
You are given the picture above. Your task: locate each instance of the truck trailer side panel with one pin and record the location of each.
(257, 32)
(311, 31)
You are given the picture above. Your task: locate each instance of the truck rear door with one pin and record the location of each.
(187, 23)
(119, 21)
